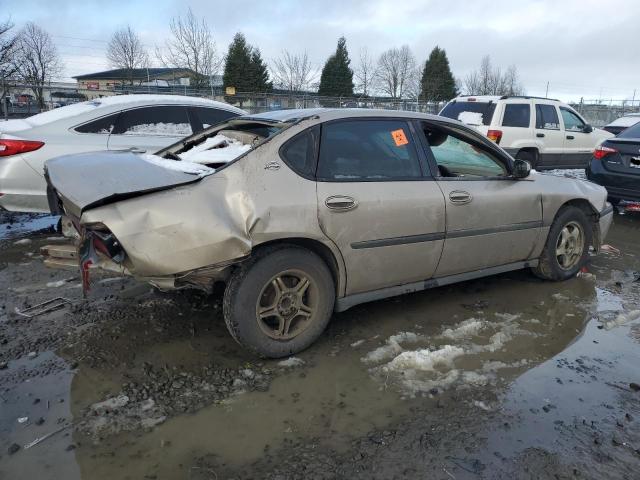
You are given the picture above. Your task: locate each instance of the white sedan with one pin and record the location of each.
(138, 122)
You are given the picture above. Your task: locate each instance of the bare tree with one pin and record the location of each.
(37, 59)
(125, 51)
(8, 49)
(365, 72)
(396, 71)
(191, 47)
(489, 80)
(292, 72)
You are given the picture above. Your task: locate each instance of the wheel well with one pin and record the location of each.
(316, 247)
(590, 212)
(532, 150)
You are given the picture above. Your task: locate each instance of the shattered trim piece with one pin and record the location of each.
(44, 307)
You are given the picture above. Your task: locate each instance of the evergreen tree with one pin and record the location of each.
(258, 73)
(336, 79)
(244, 68)
(237, 67)
(437, 83)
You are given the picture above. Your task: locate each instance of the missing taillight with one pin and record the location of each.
(14, 147)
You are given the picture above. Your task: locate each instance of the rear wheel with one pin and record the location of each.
(529, 156)
(567, 247)
(279, 302)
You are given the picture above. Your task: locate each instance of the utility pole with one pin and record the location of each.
(546, 94)
(634, 98)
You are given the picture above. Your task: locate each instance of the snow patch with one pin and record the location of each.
(160, 128)
(216, 149)
(24, 241)
(178, 166)
(470, 118)
(291, 362)
(465, 329)
(392, 347)
(424, 360)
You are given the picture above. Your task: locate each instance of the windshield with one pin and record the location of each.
(458, 111)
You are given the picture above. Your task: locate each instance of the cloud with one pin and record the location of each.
(579, 46)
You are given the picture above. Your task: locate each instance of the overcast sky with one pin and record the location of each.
(583, 48)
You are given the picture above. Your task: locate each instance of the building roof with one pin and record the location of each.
(135, 73)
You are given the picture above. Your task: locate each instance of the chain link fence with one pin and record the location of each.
(20, 102)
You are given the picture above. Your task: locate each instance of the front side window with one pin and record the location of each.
(158, 121)
(456, 157)
(370, 150)
(516, 115)
(102, 125)
(547, 117)
(572, 122)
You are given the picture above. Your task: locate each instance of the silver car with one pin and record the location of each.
(303, 213)
(140, 122)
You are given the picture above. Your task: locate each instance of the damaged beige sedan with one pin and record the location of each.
(301, 213)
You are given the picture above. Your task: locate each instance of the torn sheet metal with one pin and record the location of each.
(44, 307)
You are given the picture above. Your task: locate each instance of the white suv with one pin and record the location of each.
(545, 132)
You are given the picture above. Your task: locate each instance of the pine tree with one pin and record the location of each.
(258, 73)
(336, 79)
(437, 84)
(237, 67)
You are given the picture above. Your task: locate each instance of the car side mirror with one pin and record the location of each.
(587, 128)
(521, 168)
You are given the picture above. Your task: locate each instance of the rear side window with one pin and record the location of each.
(464, 111)
(631, 132)
(102, 125)
(372, 150)
(516, 115)
(547, 117)
(300, 152)
(207, 117)
(171, 121)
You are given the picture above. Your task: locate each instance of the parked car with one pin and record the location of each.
(622, 123)
(322, 210)
(546, 133)
(141, 122)
(616, 165)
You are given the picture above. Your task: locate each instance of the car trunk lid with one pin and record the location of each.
(88, 180)
(627, 160)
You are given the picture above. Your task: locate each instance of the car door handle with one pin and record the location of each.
(540, 135)
(340, 203)
(460, 197)
(570, 137)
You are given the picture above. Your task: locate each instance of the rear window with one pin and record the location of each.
(631, 132)
(516, 115)
(454, 109)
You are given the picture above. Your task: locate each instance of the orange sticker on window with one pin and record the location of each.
(399, 137)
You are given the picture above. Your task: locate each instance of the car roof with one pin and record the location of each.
(325, 114)
(105, 105)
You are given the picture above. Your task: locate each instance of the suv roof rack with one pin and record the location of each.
(504, 97)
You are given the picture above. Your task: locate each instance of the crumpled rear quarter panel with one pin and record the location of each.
(217, 220)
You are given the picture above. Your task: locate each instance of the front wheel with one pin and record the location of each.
(567, 247)
(279, 302)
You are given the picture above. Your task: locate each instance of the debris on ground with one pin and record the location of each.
(44, 307)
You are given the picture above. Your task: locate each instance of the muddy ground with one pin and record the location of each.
(505, 377)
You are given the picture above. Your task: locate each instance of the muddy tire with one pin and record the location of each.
(279, 301)
(567, 248)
